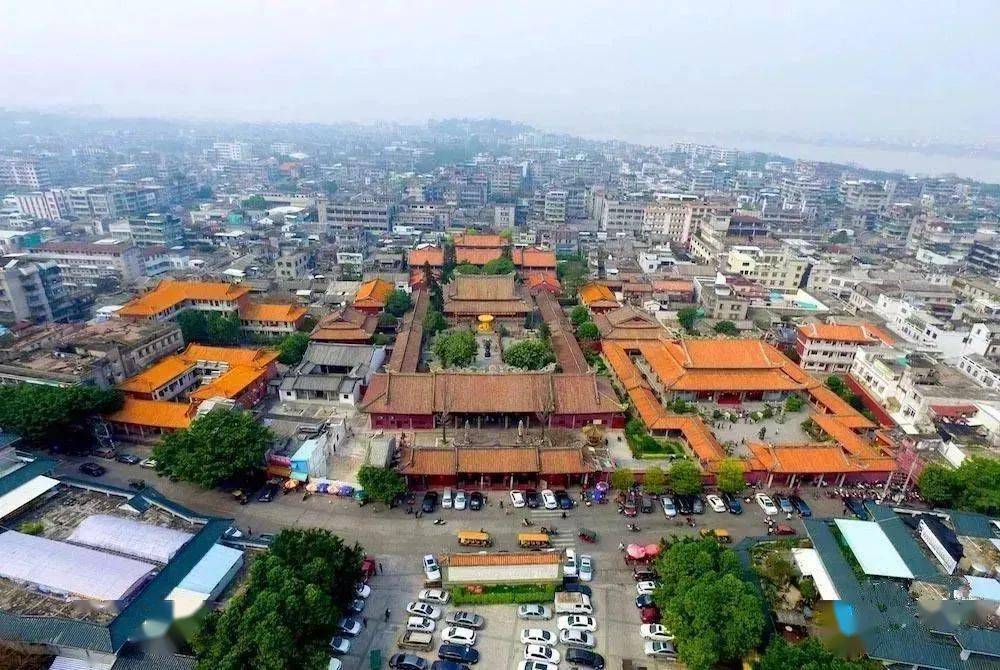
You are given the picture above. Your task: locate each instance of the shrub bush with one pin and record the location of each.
(32, 527)
(503, 594)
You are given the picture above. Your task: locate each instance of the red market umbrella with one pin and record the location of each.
(635, 551)
(652, 550)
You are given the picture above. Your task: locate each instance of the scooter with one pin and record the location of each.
(549, 531)
(526, 523)
(633, 528)
(439, 522)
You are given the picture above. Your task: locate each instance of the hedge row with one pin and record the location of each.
(505, 594)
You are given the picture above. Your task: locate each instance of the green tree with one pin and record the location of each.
(685, 478)
(726, 328)
(398, 303)
(329, 187)
(730, 477)
(433, 288)
(455, 348)
(53, 416)
(974, 485)
(655, 481)
(622, 479)
(217, 446)
(434, 322)
(288, 608)
(386, 320)
(579, 315)
(292, 347)
(448, 262)
(687, 317)
(572, 273)
(588, 332)
(499, 266)
(255, 202)
(223, 330)
(204, 192)
(793, 403)
(809, 654)
(382, 484)
(715, 615)
(840, 237)
(533, 354)
(835, 384)
(467, 269)
(194, 325)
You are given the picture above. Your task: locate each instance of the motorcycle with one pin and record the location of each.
(633, 528)
(439, 522)
(550, 531)
(526, 522)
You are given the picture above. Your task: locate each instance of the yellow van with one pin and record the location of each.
(533, 540)
(474, 538)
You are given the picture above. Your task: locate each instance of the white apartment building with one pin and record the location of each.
(981, 369)
(864, 195)
(84, 263)
(924, 329)
(622, 219)
(831, 347)
(670, 218)
(27, 172)
(233, 151)
(802, 193)
(32, 292)
(291, 266)
(504, 216)
(554, 209)
(774, 268)
(656, 260)
(37, 204)
(113, 201)
(374, 217)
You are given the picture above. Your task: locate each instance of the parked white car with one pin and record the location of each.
(431, 568)
(541, 652)
(437, 596)
(766, 504)
(461, 500)
(669, 509)
(577, 622)
(517, 499)
(549, 500)
(644, 588)
(716, 503)
(655, 632)
(585, 568)
(536, 665)
(458, 635)
(664, 650)
(536, 612)
(570, 568)
(420, 624)
(577, 637)
(425, 610)
(537, 636)
(362, 590)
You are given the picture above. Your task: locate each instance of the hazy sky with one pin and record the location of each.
(629, 69)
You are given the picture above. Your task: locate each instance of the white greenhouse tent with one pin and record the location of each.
(25, 494)
(130, 537)
(873, 549)
(207, 579)
(66, 569)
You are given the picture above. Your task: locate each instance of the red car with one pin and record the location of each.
(650, 614)
(630, 508)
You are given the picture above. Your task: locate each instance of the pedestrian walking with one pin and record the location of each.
(387, 612)
(364, 621)
(249, 531)
(380, 568)
(501, 504)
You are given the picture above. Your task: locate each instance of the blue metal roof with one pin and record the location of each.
(24, 474)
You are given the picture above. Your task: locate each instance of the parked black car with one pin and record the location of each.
(532, 499)
(130, 459)
(448, 665)
(93, 469)
(462, 653)
(800, 506)
(429, 503)
(408, 662)
(267, 493)
(645, 573)
(856, 507)
(645, 600)
(684, 505)
(574, 587)
(585, 657)
(733, 503)
(476, 500)
(697, 505)
(646, 504)
(565, 502)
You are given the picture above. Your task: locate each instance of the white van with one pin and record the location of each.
(446, 499)
(573, 603)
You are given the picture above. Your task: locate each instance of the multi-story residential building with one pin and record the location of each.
(984, 254)
(622, 219)
(373, 217)
(864, 195)
(25, 172)
(232, 151)
(291, 266)
(38, 204)
(87, 263)
(773, 267)
(830, 347)
(984, 371)
(922, 328)
(32, 292)
(984, 339)
(669, 218)
(158, 230)
(802, 194)
(504, 216)
(112, 201)
(554, 209)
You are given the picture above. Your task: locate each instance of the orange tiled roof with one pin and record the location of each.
(480, 241)
(473, 560)
(531, 257)
(735, 380)
(157, 375)
(562, 461)
(345, 325)
(373, 293)
(170, 293)
(272, 312)
(153, 414)
(592, 293)
(864, 333)
(537, 279)
(476, 255)
(432, 255)
(673, 285)
(230, 355)
(498, 460)
(230, 383)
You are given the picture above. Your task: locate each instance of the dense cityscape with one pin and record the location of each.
(468, 393)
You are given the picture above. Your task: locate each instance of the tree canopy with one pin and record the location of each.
(715, 615)
(53, 415)
(809, 654)
(288, 609)
(382, 484)
(622, 479)
(455, 348)
(685, 478)
(467, 269)
(730, 477)
(217, 446)
(533, 354)
(449, 261)
(398, 303)
(572, 272)
(578, 315)
(687, 317)
(255, 202)
(588, 331)
(726, 328)
(434, 322)
(499, 266)
(209, 327)
(292, 347)
(974, 485)
(655, 481)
